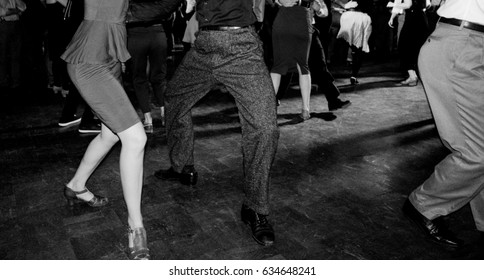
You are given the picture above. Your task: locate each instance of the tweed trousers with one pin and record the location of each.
(235, 59)
(451, 65)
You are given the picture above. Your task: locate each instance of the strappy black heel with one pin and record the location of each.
(138, 248)
(72, 198)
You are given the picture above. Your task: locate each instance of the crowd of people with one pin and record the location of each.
(247, 47)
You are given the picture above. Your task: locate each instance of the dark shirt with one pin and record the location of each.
(225, 13)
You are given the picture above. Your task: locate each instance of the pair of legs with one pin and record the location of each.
(319, 74)
(233, 58)
(304, 84)
(148, 46)
(451, 69)
(100, 86)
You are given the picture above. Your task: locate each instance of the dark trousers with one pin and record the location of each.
(10, 47)
(319, 72)
(148, 44)
(235, 59)
(73, 100)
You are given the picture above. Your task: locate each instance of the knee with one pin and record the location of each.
(135, 140)
(269, 131)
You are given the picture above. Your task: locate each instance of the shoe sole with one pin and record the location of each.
(70, 123)
(88, 131)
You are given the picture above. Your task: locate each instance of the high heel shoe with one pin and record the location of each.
(72, 198)
(304, 116)
(409, 82)
(138, 248)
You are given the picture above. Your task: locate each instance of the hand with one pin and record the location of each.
(123, 67)
(392, 19)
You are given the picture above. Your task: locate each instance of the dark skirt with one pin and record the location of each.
(291, 39)
(414, 32)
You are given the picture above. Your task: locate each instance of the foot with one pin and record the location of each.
(188, 176)
(304, 116)
(354, 81)
(69, 120)
(262, 231)
(56, 89)
(338, 104)
(138, 244)
(92, 126)
(435, 230)
(148, 127)
(84, 196)
(409, 82)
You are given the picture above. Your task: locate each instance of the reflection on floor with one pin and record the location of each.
(338, 183)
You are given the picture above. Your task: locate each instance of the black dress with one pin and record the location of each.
(291, 39)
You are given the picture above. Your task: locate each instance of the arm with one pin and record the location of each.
(399, 5)
(320, 8)
(398, 8)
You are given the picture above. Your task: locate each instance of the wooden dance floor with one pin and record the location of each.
(338, 182)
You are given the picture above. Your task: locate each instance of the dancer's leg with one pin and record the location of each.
(133, 142)
(95, 153)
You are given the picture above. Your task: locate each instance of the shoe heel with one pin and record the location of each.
(70, 202)
(189, 179)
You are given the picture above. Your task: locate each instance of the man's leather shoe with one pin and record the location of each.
(434, 229)
(188, 176)
(338, 104)
(262, 231)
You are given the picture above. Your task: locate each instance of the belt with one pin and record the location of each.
(463, 23)
(222, 28)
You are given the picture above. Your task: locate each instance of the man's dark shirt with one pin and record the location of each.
(225, 13)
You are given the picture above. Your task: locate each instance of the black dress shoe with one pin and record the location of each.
(188, 176)
(262, 231)
(434, 229)
(338, 104)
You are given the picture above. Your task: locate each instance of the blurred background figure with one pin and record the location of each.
(10, 44)
(415, 31)
(355, 30)
(291, 41)
(148, 46)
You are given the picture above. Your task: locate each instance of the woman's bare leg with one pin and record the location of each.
(133, 142)
(95, 153)
(305, 85)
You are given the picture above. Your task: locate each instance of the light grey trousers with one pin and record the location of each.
(451, 65)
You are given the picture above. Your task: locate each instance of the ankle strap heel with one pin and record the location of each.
(137, 244)
(72, 198)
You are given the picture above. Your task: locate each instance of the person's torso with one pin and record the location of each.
(469, 10)
(225, 13)
(113, 11)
